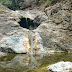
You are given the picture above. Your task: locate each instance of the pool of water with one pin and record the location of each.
(31, 63)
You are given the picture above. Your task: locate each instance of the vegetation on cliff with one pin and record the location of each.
(12, 4)
(19, 4)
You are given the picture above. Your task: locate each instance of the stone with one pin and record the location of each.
(13, 43)
(56, 31)
(61, 67)
(27, 3)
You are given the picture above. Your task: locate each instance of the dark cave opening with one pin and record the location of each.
(28, 23)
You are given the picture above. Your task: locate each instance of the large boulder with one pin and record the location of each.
(10, 30)
(61, 67)
(12, 36)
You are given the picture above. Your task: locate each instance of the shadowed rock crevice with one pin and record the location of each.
(28, 23)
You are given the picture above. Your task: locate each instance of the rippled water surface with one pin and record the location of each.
(31, 63)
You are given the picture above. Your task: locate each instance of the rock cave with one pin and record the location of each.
(28, 23)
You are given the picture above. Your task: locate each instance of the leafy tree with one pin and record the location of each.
(12, 4)
(6, 2)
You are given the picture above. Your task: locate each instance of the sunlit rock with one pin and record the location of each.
(61, 67)
(26, 42)
(20, 43)
(38, 47)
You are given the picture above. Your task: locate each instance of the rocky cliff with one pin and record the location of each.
(55, 27)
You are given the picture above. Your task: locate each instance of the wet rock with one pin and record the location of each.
(36, 42)
(61, 67)
(15, 43)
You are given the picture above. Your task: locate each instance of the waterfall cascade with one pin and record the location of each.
(26, 43)
(33, 42)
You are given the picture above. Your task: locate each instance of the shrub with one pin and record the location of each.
(12, 4)
(6, 2)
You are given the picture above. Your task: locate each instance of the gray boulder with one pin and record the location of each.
(12, 36)
(61, 67)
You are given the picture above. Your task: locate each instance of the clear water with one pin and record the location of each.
(31, 63)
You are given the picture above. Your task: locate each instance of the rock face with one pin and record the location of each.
(10, 31)
(12, 36)
(27, 3)
(56, 32)
(14, 43)
(61, 67)
(55, 28)
(36, 43)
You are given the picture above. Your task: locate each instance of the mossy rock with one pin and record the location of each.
(2, 11)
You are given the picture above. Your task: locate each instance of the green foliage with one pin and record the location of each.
(6, 2)
(17, 4)
(12, 4)
(47, 3)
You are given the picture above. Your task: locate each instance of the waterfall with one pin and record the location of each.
(31, 42)
(26, 23)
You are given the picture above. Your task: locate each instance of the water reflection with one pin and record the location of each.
(30, 63)
(18, 63)
(34, 61)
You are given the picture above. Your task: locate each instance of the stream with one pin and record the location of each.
(31, 63)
